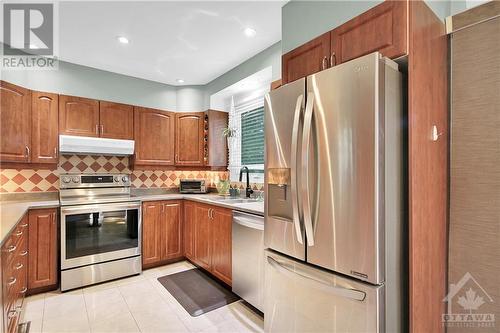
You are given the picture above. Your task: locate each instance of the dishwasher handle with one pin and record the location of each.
(249, 220)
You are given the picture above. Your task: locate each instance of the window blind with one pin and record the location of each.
(247, 147)
(252, 137)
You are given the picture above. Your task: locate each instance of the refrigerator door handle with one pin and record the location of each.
(354, 294)
(294, 167)
(306, 200)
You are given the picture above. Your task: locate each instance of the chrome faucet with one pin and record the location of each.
(248, 189)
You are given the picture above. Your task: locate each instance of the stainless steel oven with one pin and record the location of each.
(100, 230)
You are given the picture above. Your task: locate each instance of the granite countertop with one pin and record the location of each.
(13, 208)
(12, 211)
(253, 206)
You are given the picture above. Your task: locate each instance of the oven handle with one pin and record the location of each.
(99, 208)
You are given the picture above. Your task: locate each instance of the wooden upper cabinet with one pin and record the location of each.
(307, 59)
(116, 121)
(221, 225)
(189, 139)
(189, 217)
(202, 236)
(78, 116)
(44, 127)
(15, 123)
(172, 238)
(42, 248)
(154, 137)
(217, 143)
(151, 232)
(382, 28)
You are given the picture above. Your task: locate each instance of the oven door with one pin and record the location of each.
(101, 232)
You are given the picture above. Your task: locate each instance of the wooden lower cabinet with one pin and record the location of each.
(221, 223)
(211, 239)
(189, 218)
(42, 249)
(172, 247)
(151, 236)
(162, 234)
(14, 274)
(202, 236)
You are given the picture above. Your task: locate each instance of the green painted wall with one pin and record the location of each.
(269, 57)
(71, 79)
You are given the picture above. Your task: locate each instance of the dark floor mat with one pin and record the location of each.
(197, 292)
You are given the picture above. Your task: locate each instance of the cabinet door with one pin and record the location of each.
(202, 236)
(307, 59)
(116, 121)
(189, 138)
(44, 127)
(382, 28)
(154, 137)
(78, 116)
(151, 232)
(172, 246)
(217, 144)
(221, 243)
(189, 218)
(15, 124)
(42, 248)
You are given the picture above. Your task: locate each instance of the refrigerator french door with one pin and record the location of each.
(334, 182)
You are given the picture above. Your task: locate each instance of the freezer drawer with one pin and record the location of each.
(248, 258)
(301, 298)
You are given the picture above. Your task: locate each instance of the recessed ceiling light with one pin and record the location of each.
(179, 81)
(249, 32)
(123, 40)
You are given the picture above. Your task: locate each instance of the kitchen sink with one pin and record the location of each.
(234, 200)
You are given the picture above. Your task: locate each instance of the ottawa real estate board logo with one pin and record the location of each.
(28, 36)
(468, 305)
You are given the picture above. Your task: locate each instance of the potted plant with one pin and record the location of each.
(229, 133)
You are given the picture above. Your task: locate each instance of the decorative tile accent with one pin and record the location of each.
(25, 180)
(93, 164)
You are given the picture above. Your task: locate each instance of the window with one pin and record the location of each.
(252, 137)
(247, 147)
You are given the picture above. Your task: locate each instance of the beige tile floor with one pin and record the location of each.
(135, 304)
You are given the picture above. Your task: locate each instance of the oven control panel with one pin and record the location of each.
(93, 180)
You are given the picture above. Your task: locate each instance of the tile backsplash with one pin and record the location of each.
(41, 180)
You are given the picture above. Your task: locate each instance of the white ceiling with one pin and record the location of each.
(169, 40)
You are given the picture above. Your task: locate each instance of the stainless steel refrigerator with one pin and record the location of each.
(334, 207)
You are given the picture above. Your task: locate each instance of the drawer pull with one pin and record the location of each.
(12, 281)
(23, 225)
(22, 254)
(19, 233)
(18, 266)
(12, 314)
(24, 290)
(11, 248)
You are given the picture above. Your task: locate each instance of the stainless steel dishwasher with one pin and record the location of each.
(248, 258)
